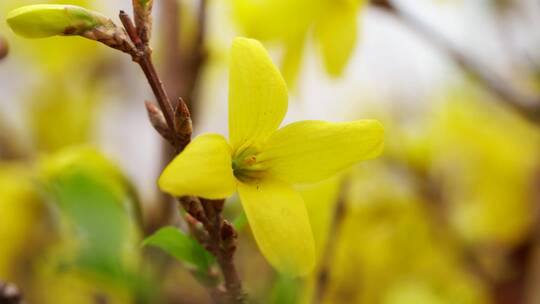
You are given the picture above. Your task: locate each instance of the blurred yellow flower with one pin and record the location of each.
(289, 22)
(390, 249)
(487, 158)
(263, 162)
(21, 210)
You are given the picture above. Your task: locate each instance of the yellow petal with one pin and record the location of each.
(337, 34)
(310, 151)
(275, 20)
(203, 169)
(292, 60)
(257, 94)
(320, 200)
(279, 221)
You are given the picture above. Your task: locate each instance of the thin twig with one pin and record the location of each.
(323, 276)
(527, 106)
(221, 236)
(144, 59)
(220, 240)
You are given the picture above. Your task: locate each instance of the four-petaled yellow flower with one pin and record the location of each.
(263, 163)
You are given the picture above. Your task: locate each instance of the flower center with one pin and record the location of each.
(245, 166)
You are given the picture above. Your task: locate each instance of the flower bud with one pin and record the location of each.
(143, 18)
(45, 20)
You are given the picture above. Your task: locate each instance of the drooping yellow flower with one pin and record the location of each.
(263, 163)
(334, 23)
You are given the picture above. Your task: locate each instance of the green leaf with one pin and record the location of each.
(95, 198)
(240, 221)
(285, 290)
(45, 20)
(100, 217)
(181, 246)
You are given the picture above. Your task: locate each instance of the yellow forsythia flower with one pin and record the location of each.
(289, 22)
(487, 158)
(263, 162)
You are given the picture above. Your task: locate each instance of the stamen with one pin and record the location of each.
(245, 165)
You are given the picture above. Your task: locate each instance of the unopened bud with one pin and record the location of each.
(46, 20)
(158, 120)
(183, 123)
(143, 18)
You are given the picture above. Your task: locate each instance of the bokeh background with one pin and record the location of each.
(448, 214)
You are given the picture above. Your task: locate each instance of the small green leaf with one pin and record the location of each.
(45, 20)
(285, 290)
(240, 221)
(99, 211)
(182, 247)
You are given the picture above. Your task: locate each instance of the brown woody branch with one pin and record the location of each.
(220, 236)
(524, 104)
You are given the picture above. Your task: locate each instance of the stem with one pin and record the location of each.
(220, 241)
(144, 59)
(527, 106)
(323, 276)
(221, 235)
(224, 253)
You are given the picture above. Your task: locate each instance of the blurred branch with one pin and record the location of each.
(10, 148)
(221, 236)
(527, 106)
(532, 270)
(170, 27)
(182, 66)
(184, 63)
(4, 48)
(323, 275)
